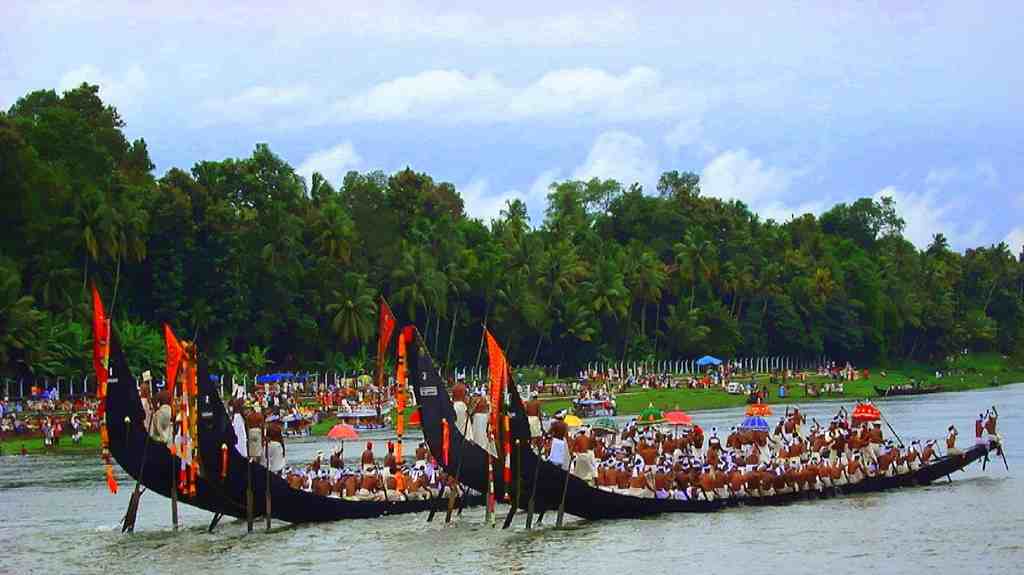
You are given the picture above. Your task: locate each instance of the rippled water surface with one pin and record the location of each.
(56, 516)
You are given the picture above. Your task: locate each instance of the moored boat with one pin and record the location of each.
(895, 390)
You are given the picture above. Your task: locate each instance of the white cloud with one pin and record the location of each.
(123, 91)
(1015, 239)
(622, 157)
(480, 204)
(926, 214)
(736, 175)
(686, 132)
(254, 105)
(452, 96)
(766, 190)
(434, 94)
(333, 163)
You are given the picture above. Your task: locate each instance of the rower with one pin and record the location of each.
(951, 448)
(481, 419)
(461, 411)
(238, 426)
(533, 415)
(390, 463)
(275, 448)
(162, 430)
(366, 459)
(421, 456)
(558, 453)
(979, 427)
(583, 449)
(254, 425)
(990, 426)
(928, 453)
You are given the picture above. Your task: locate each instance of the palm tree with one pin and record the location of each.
(19, 320)
(607, 289)
(649, 279)
(352, 310)
(254, 360)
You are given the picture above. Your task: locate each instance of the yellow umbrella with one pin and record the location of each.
(573, 421)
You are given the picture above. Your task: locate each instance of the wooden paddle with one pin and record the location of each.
(249, 495)
(533, 494)
(128, 523)
(458, 468)
(565, 489)
(896, 435)
(266, 462)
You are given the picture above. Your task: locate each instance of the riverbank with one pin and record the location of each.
(972, 372)
(11, 445)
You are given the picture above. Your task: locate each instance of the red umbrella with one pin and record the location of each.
(343, 431)
(865, 412)
(678, 418)
(759, 410)
(415, 419)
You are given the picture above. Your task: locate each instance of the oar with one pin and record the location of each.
(458, 469)
(266, 462)
(128, 523)
(249, 496)
(565, 489)
(533, 493)
(519, 487)
(896, 435)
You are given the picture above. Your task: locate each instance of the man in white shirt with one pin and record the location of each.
(238, 424)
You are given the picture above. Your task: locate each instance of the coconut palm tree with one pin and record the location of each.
(352, 310)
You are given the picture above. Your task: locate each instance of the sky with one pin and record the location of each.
(790, 107)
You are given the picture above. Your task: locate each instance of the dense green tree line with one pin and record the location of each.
(269, 268)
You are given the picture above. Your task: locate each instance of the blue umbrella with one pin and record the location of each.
(708, 360)
(754, 423)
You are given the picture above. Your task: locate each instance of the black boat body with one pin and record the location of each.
(589, 502)
(138, 454)
(894, 391)
(581, 499)
(287, 504)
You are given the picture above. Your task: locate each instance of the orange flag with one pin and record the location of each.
(100, 347)
(499, 376)
(386, 327)
(174, 355)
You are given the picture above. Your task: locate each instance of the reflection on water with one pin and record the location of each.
(57, 517)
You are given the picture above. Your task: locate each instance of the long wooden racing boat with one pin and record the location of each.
(144, 459)
(894, 390)
(581, 499)
(589, 502)
(286, 504)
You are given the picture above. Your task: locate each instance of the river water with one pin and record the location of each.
(56, 516)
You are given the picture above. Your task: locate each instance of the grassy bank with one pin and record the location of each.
(11, 445)
(971, 372)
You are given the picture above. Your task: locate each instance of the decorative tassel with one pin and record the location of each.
(507, 472)
(111, 480)
(446, 439)
(223, 461)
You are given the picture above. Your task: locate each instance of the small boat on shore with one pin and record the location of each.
(907, 389)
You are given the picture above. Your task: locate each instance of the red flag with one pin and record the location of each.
(386, 327)
(100, 346)
(499, 376)
(174, 355)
